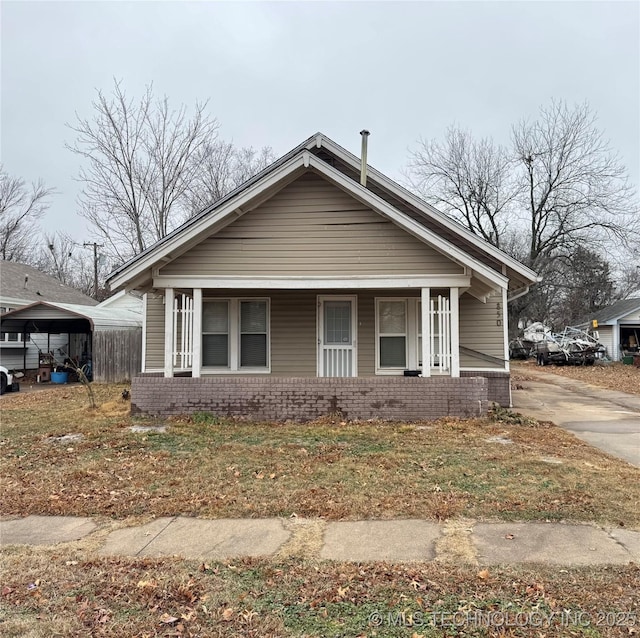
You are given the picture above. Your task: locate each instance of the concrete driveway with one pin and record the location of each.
(606, 419)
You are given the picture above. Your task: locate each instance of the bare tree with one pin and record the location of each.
(223, 167)
(71, 263)
(20, 208)
(471, 180)
(575, 190)
(628, 278)
(140, 161)
(559, 189)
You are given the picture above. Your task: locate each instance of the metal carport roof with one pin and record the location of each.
(44, 316)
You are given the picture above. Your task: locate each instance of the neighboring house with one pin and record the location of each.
(305, 292)
(107, 337)
(619, 327)
(21, 285)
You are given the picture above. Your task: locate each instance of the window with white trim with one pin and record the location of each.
(9, 337)
(235, 334)
(399, 334)
(215, 334)
(391, 328)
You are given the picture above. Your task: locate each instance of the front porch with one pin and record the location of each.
(313, 332)
(391, 352)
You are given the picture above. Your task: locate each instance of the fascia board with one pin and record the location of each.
(306, 282)
(402, 193)
(405, 222)
(202, 225)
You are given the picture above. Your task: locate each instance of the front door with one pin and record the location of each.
(337, 327)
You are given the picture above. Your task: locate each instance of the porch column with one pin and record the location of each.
(196, 362)
(425, 312)
(454, 294)
(169, 296)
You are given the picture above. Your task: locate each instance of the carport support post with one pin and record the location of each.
(169, 296)
(425, 312)
(196, 361)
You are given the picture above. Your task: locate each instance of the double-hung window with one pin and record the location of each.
(235, 334)
(215, 334)
(391, 318)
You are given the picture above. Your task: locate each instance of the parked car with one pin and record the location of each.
(8, 381)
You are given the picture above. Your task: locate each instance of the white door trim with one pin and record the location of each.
(320, 331)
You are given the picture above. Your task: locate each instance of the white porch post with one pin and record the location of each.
(425, 313)
(196, 362)
(505, 327)
(454, 294)
(169, 296)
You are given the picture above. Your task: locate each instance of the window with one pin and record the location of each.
(235, 334)
(337, 322)
(399, 334)
(10, 337)
(392, 333)
(215, 334)
(253, 334)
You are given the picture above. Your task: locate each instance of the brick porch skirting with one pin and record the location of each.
(298, 399)
(499, 388)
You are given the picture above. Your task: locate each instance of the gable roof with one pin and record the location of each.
(616, 310)
(382, 194)
(22, 284)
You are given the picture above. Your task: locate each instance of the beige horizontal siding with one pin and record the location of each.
(479, 330)
(154, 346)
(293, 322)
(293, 334)
(311, 227)
(367, 334)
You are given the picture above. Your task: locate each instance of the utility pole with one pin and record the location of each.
(95, 265)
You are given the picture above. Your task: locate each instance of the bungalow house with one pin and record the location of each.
(320, 286)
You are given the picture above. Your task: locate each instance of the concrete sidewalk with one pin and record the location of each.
(393, 540)
(606, 419)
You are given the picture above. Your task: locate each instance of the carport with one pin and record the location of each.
(108, 338)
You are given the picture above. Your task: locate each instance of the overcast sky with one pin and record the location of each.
(274, 73)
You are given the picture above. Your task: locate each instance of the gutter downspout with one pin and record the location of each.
(363, 161)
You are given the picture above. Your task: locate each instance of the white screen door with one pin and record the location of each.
(337, 353)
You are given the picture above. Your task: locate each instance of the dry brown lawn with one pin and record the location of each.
(614, 376)
(506, 467)
(57, 592)
(502, 468)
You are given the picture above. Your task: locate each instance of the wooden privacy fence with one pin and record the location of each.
(117, 355)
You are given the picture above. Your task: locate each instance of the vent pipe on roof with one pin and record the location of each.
(363, 159)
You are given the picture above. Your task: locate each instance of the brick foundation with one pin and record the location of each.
(499, 386)
(298, 399)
